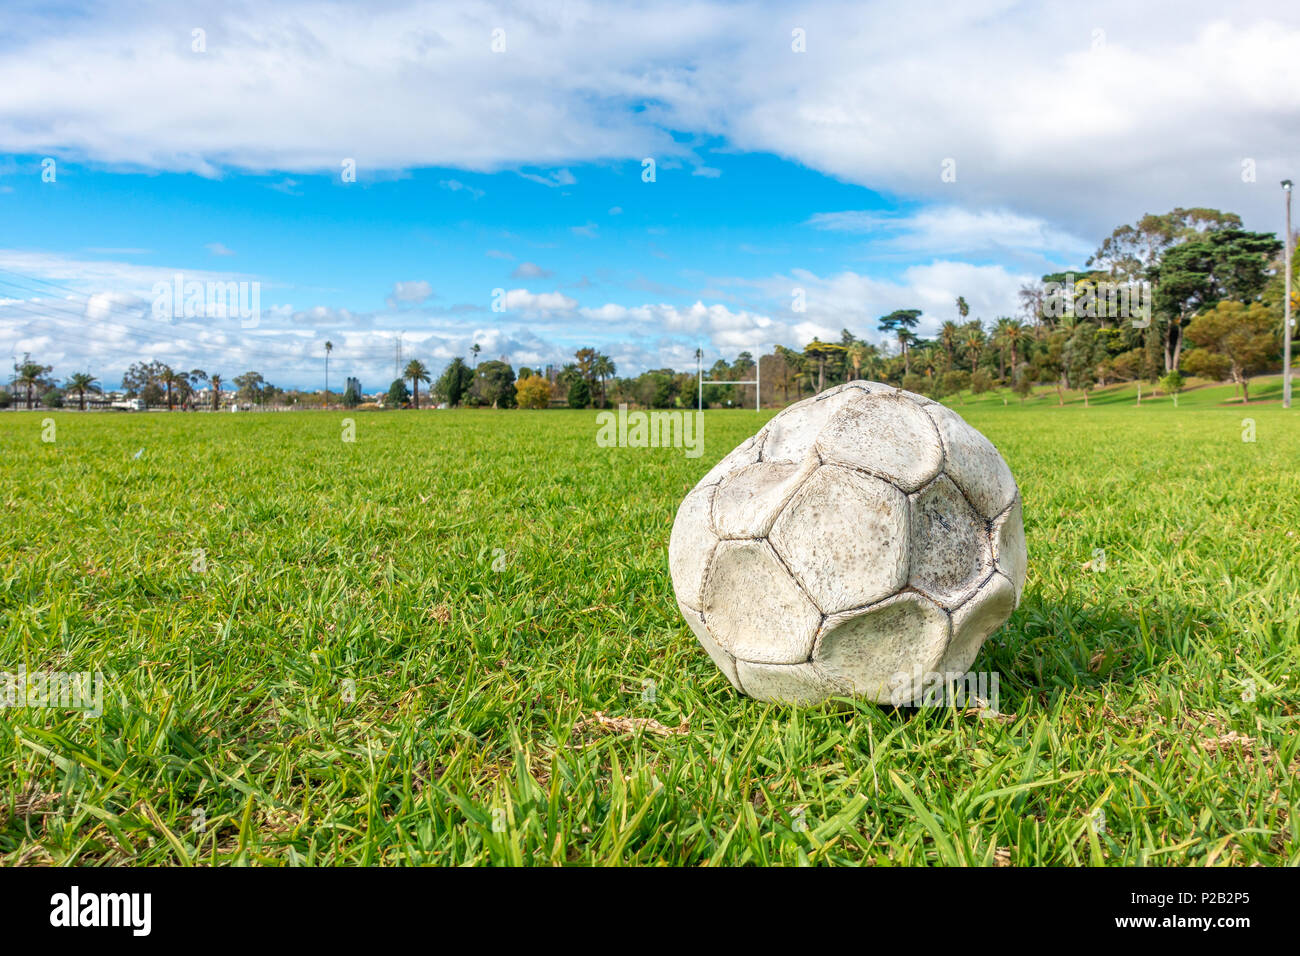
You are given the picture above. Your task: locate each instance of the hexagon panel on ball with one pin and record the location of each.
(865, 538)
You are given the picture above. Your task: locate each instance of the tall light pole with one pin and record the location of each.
(699, 377)
(329, 347)
(1286, 321)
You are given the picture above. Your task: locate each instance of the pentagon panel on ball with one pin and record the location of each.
(864, 540)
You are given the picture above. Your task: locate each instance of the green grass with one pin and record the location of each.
(472, 737)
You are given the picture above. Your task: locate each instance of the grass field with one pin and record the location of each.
(393, 650)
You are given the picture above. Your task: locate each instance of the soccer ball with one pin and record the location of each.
(861, 543)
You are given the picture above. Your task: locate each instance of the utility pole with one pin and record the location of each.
(1286, 321)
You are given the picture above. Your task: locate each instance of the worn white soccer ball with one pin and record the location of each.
(862, 542)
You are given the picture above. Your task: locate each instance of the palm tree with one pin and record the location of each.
(216, 381)
(476, 349)
(197, 377)
(30, 374)
(948, 336)
(417, 373)
(170, 379)
(974, 343)
(81, 383)
(329, 347)
(1011, 332)
(603, 368)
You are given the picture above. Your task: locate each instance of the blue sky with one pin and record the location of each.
(218, 154)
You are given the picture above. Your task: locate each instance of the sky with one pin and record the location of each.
(644, 179)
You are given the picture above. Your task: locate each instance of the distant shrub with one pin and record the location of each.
(950, 383)
(915, 383)
(980, 382)
(1024, 385)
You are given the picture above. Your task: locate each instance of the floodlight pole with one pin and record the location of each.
(699, 374)
(1286, 321)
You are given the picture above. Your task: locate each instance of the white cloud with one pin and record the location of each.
(321, 315)
(409, 293)
(455, 185)
(1039, 117)
(559, 177)
(850, 300)
(952, 230)
(537, 304)
(218, 249)
(530, 270)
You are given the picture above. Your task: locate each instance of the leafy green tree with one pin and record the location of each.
(899, 324)
(415, 370)
(789, 371)
(1047, 360)
(721, 394)
(579, 394)
(398, 395)
(822, 352)
(251, 387)
(1081, 355)
(141, 378)
(352, 396)
(455, 382)
(495, 384)
(533, 391)
(1194, 276)
(1131, 251)
(1241, 335)
(1172, 383)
